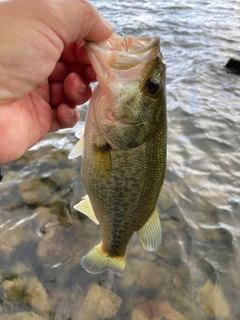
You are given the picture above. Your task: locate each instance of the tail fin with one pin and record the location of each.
(97, 261)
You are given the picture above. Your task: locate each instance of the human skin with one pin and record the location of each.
(44, 68)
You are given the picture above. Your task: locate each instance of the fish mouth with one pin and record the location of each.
(128, 44)
(124, 53)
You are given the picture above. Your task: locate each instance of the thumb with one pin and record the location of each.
(74, 20)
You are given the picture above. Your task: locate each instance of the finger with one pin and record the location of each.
(63, 69)
(75, 52)
(60, 72)
(72, 63)
(76, 90)
(73, 90)
(77, 21)
(57, 95)
(85, 71)
(88, 73)
(65, 116)
(93, 26)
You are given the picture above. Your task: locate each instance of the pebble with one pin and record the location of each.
(212, 301)
(28, 292)
(144, 274)
(156, 310)
(99, 303)
(34, 191)
(64, 304)
(22, 316)
(16, 233)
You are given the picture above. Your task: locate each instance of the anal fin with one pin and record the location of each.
(85, 207)
(150, 235)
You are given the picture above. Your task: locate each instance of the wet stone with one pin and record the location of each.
(34, 191)
(22, 316)
(43, 216)
(63, 302)
(216, 237)
(58, 177)
(156, 309)
(144, 274)
(49, 248)
(58, 244)
(20, 270)
(212, 301)
(16, 233)
(60, 208)
(170, 250)
(26, 292)
(99, 303)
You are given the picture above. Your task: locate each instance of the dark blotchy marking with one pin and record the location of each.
(104, 148)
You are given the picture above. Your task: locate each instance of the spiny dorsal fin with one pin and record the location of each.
(97, 261)
(77, 150)
(85, 207)
(150, 235)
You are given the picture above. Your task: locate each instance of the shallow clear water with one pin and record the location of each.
(195, 273)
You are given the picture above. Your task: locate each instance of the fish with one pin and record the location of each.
(123, 148)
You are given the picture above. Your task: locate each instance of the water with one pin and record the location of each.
(195, 273)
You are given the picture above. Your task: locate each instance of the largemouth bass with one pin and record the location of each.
(124, 148)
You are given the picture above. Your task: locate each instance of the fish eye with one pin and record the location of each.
(152, 86)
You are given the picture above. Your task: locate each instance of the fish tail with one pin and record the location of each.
(97, 261)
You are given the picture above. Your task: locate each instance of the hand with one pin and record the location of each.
(44, 68)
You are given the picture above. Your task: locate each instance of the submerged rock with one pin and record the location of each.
(212, 301)
(144, 274)
(156, 309)
(26, 292)
(99, 303)
(22, 316)
(64, 302)
(17, 233)
(34, 191)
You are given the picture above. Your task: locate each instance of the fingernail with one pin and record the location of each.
(82, 88)
(71, 113)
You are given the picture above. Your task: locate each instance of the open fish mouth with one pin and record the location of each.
(125, 53)
(130, 43)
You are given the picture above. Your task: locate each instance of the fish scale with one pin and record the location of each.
(115, 200)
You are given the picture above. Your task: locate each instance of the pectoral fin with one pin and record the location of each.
(150, 235)
(85, 207)
(97, 261)
(79, 134)
(77, 150)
